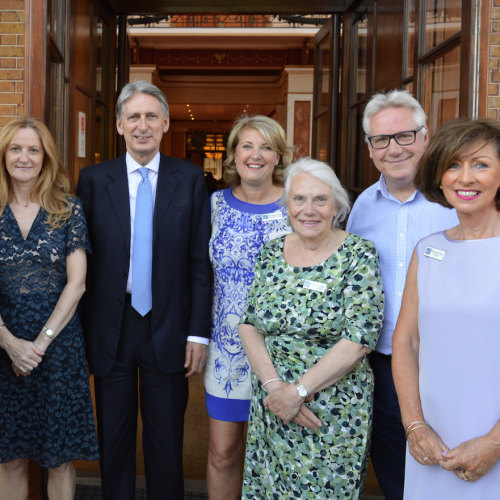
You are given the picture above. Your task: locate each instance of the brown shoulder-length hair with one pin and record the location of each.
(51, 189)
(273, 134)
(446, 146)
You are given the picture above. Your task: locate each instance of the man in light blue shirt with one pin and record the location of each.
(395, 216)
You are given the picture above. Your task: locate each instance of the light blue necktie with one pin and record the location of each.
(142, 261)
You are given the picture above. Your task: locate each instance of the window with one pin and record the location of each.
(441, 89)
(322, 103)
(361, 89)
(58, 75)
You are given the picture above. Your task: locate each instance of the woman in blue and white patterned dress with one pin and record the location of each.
(244, 218)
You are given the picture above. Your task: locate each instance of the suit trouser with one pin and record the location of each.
(388, 448)
(163, 400)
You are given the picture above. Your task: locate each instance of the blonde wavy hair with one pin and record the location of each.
(273, 134)
(51, 190)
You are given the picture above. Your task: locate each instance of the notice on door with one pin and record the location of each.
(81, 134)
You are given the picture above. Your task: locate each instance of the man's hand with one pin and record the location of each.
(196, 356)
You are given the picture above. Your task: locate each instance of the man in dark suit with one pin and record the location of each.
(146, 312)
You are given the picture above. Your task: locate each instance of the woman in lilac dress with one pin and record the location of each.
(244, 218)
(447, 340)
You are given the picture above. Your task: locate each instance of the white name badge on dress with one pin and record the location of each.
(314, 285)
(434, 253)
(273, 216)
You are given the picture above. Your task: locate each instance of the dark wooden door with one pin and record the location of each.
(326, 89)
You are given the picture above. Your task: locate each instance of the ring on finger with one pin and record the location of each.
(466, 477)
(425, 459)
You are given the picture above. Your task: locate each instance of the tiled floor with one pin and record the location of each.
(86, 492)
(92, 492)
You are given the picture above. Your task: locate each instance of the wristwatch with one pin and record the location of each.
(301, 390)
(50, 333)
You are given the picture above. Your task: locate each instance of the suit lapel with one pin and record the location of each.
(165, 190)
(118, 192)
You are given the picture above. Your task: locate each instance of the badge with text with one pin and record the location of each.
(314, 285)
(434, 253)
(274, 216)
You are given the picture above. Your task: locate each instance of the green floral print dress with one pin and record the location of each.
(285, 462)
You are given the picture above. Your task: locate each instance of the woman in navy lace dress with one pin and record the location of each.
(45, 403)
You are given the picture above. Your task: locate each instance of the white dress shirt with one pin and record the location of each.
(134, 178)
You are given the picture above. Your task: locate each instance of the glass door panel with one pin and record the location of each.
(442, 88)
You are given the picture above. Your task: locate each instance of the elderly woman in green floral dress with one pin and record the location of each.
(314, 312)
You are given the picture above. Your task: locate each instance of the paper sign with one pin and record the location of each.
(81, 134)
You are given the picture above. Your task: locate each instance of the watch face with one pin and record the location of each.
(302, 392)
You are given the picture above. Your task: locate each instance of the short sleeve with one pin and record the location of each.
(77, 234)
(364, 297)
(249, 316)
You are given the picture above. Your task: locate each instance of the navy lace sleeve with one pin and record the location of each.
(77, 235)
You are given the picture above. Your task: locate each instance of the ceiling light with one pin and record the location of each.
(187, 105)
(192, 118)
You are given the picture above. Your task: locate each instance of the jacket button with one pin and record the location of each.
(124, 273)
(120, 302)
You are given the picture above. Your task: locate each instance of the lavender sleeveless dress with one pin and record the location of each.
(459, 327)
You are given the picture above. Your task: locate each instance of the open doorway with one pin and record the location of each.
(215, 68)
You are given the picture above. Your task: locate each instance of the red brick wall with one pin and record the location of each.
(11, 59)
(494, 64)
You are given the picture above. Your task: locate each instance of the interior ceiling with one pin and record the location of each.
(229, 6)
(179, 38)
(217, 39)
(222, 76)
(216, 112)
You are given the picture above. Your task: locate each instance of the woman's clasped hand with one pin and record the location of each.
(474, 457)
(25, 355)
(287, 405)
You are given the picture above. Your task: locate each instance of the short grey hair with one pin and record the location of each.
(390, 100)
(140, 87)
(324, 173)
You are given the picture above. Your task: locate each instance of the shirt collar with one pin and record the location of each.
(382, 189)
(132, 165)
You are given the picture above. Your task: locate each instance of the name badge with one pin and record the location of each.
(273, 216)
(434, 253)
(314, 285)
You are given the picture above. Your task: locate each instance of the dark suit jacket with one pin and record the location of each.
(181, 282)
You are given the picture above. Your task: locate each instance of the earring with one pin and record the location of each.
(441, 187)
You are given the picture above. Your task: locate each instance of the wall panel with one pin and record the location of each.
(83, 32)
(388, 45)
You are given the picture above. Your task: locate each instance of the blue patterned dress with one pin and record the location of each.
(239, 231)
(46, 416)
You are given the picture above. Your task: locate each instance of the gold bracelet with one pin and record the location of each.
(412, 424)
(414, 428)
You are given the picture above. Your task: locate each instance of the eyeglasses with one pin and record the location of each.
(402, 138)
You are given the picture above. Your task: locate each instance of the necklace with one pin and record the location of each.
(22, 204)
